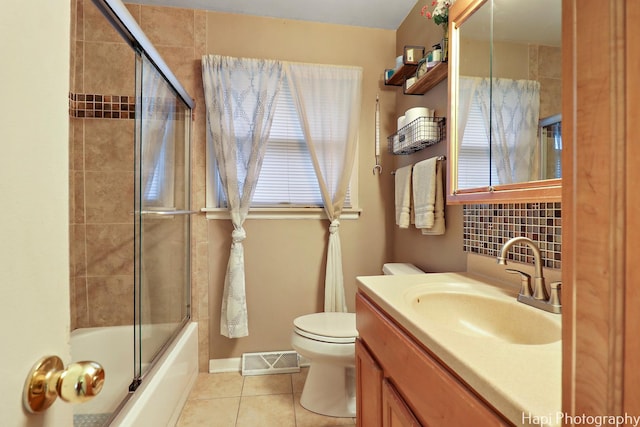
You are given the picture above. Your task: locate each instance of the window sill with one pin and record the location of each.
(282, 213)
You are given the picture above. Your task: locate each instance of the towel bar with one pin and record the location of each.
(440, 158)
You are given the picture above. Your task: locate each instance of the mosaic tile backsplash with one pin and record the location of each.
(85, 105)
(487, 227)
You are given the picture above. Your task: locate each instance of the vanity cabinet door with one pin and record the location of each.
(369, 388)
(395, 412)
(433, 393)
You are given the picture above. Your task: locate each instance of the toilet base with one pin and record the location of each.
(330, 390)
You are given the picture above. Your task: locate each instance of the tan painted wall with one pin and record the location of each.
(431, 253)
(285, 260)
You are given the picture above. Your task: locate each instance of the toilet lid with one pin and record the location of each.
(328, 327)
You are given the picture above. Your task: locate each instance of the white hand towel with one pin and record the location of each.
(403, 196)
(438, 227)
(424, 192)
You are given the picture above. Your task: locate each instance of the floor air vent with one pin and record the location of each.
(275, 362)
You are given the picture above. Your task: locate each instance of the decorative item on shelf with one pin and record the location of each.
(422, 67)
(445, 44)
(406, 65)
(440, 16)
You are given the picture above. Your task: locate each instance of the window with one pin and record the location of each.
(287, 177)
(475, 168)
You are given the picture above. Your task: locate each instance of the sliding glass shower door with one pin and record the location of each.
(162, 273)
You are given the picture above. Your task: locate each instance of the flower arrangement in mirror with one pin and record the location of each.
(440, 16)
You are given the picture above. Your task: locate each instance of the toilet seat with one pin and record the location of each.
(335, 328)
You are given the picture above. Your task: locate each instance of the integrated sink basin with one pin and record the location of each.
(508, 352)
(481, 313)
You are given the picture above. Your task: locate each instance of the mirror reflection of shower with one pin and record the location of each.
(551, 147)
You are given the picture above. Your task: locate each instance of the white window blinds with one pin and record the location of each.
(474, 159)
(287, 177)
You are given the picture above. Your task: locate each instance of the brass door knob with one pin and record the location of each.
(48, 379)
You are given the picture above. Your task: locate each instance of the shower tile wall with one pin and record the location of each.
(102, 176)
(102, 251)
(545, 65)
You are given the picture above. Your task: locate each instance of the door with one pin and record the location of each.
(395, 412)
(369, 377)
(34, 188)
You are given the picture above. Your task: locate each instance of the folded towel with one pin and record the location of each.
(424, 192)
(438, 222)
(428, 197)
(403, 196)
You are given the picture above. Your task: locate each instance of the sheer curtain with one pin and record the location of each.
(328, 100)
(512, 107)
(240, 96)
(515, 111)
(468, 88)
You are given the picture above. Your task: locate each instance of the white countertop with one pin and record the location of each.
(523, 382)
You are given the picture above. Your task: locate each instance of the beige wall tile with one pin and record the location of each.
(199, 285)
(109, 145)
(81, 301)
(550, 62)
(77, 145)
(109, 68)
(96, 27)
(109, 197)
(167, 26)
(110, 249)
(78, 67)
(78, 250)
(117, 291)
(77, 200)
(182, 63)
(203, 344)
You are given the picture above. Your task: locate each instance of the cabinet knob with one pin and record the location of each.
(48, 379)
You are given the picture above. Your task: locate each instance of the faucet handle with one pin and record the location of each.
(554, 298)
(525, 281)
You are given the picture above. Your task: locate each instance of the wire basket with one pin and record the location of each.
(419, 134)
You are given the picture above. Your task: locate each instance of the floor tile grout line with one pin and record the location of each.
(239, 402)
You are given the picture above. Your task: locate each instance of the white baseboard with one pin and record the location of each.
(225, 365)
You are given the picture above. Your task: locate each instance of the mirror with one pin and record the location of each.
(505, 82)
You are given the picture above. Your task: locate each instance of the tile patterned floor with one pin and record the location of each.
(231, 400)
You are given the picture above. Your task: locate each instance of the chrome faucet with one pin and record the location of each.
(538, 296)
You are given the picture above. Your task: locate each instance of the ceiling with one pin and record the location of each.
(534, 21)
(385, 14)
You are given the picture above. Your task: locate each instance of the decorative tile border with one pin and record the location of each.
(84, 105)
(487, 227)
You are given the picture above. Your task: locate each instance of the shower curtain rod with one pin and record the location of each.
(118, 15)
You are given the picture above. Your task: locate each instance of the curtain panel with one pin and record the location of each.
(511, 110)
(328, 100)
(240, 96)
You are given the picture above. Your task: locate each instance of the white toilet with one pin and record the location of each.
(328, 341)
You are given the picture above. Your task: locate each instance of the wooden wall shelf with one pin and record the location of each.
(429, 80)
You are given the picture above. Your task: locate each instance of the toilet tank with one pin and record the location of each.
(396, 268)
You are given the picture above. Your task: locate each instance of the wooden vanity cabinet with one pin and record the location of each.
(401, 384)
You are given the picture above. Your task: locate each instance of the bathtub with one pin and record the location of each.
(158, 401)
